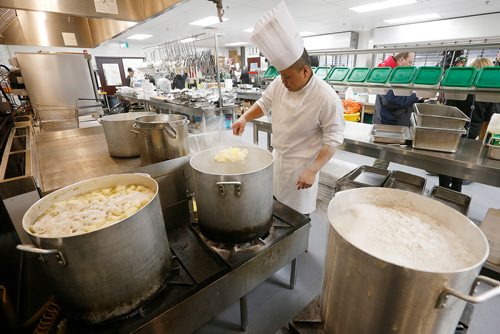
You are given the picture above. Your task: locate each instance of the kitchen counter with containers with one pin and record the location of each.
(470, 161)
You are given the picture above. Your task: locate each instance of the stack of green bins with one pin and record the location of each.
(358, 75)
(322, 72)
(378, 76)
(488, 79)
(427, 77)
(458, 78)
(338, 74)
(400, 79)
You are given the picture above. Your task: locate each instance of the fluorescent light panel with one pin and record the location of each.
(207, 21)
(236, 44)
(248, 30)
(415, 18)
(381, 5)
(188, 40)
(139, 36)
(306, 33)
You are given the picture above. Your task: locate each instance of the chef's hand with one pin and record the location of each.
(239, 126)
(306, 179)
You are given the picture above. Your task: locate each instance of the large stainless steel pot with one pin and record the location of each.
(163, 137)
(364, 294)
(107, 272)
(121, 142)
(234, 200)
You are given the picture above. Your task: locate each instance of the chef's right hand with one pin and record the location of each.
(239, 126)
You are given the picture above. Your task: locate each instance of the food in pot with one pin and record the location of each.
(404, 237)
(91, 211)
(231, 154)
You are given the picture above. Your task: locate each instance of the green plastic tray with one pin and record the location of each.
(271, 72)
(459, 77)
(322, 71)
(402, 75)
(379, 75)
(488, 77)
(428, 75)
(338, 74)
(358, 74)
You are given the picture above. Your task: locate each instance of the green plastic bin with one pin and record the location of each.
(338, 74)
(322, 71)
(402, 75)
(488, 77)
(428, 75)
(459, 77)
(379, 75)
(271, 73)
(358, 74)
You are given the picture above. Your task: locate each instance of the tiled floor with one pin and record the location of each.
(271, 305)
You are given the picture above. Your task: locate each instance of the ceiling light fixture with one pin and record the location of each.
(139, 36)
(415, 18)
(381, 5)
(207, 21)
(306, 33)
(248, 30)
(236, 44)
(188, 40)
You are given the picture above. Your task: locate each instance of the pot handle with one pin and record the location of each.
(169, 129)
(33, 249)
(222, 189)
(99, 121)
(135, 131)
(470, 298)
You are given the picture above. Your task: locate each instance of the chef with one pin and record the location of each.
(307, 114)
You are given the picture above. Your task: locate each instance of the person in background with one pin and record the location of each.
(130, 77)
(308, 126)
(460, 61)
(245, 77)
(180, 80)
(391, 109)
(480, 114)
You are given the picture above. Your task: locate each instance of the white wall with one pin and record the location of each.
(480, 26)
(365, 41)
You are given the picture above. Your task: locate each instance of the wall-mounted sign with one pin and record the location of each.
(106, 6)
(69, 39)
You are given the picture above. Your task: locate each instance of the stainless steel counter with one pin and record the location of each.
(470, 162)
(69, 156)
(170, 108)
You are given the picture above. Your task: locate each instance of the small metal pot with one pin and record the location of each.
(234, 200)
(365, 294)
(163, 137)
(121, 142)
(111, 271)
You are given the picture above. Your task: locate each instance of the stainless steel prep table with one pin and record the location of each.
(182, 109)
(69, 156)
(469, 162)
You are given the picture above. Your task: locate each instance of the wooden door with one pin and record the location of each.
(111, 73)
(251, 61)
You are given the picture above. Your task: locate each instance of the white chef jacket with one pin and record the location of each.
(301, 122)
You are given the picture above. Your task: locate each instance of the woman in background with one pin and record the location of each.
(480, 114)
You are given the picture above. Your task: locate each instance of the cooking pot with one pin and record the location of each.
(121, 142)
(110, 271)
(234, 200)
(366, 294)
(163, 137)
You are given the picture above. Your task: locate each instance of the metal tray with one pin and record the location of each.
(439, 116)
(435, 139)
(452, 198)
(405, 181)
(363, 176)
(494, 152)
(390, 134)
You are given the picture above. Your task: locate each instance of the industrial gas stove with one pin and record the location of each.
(207, 277)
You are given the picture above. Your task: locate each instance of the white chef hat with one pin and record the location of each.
(276, 35)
